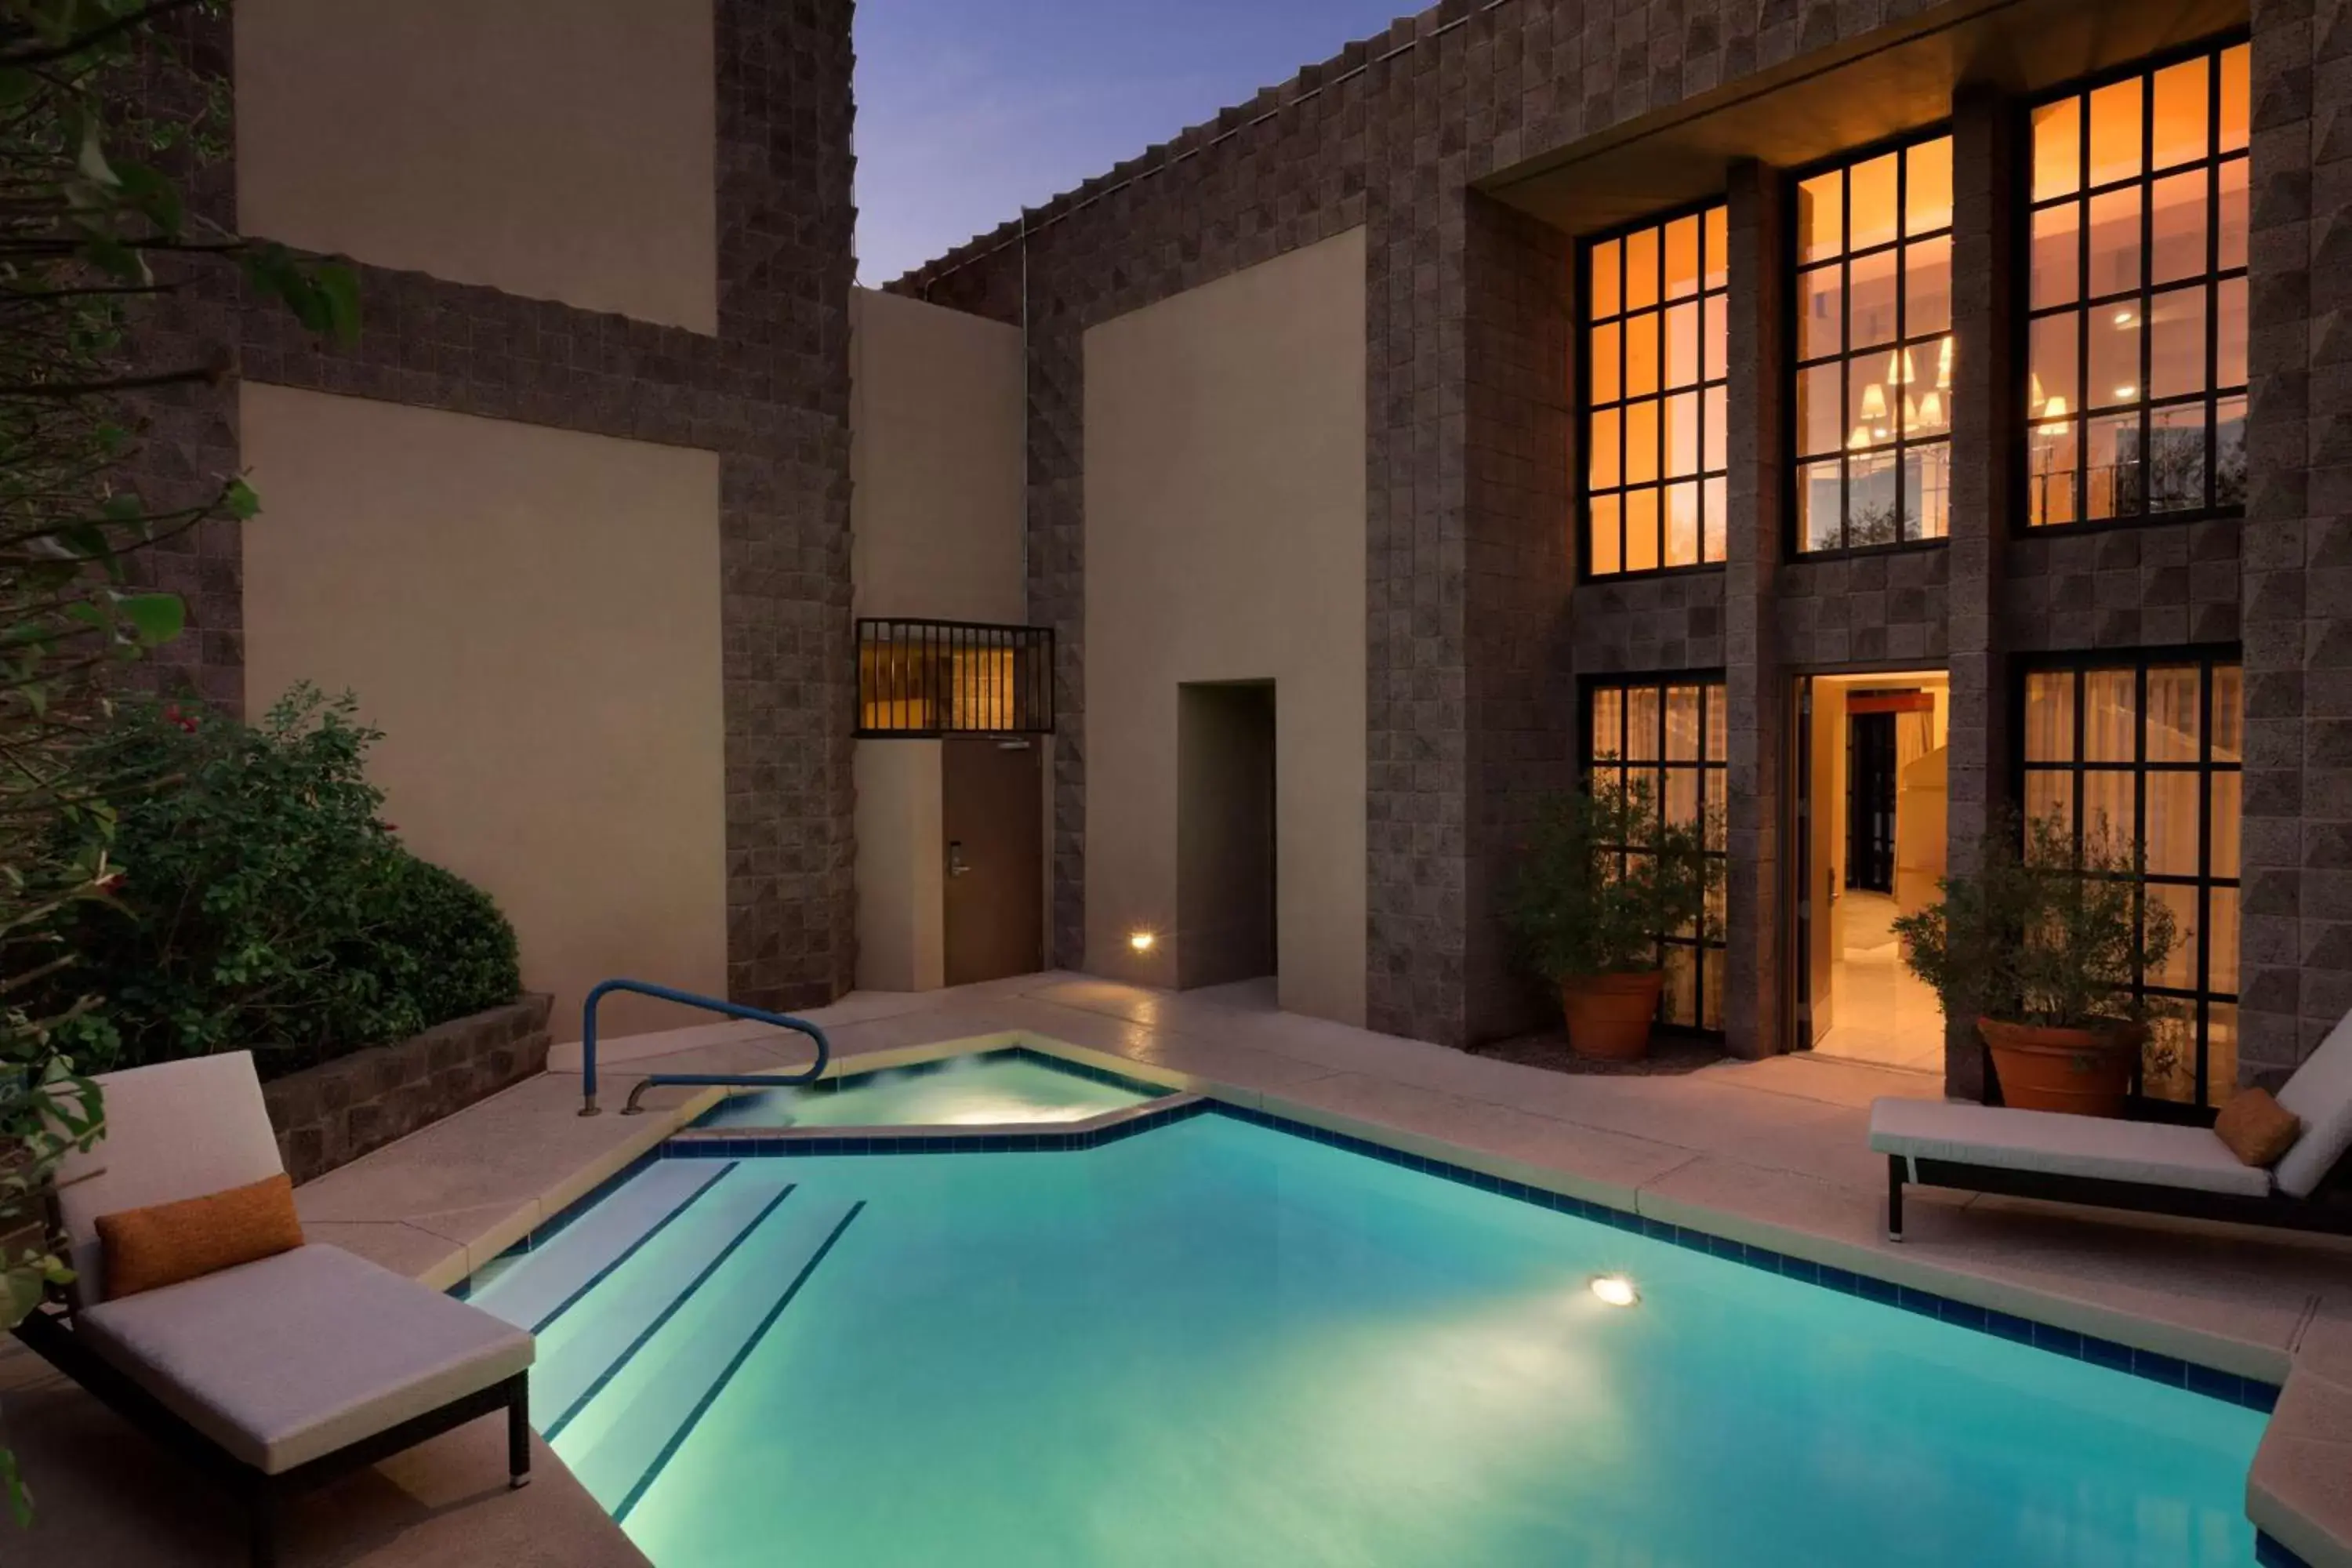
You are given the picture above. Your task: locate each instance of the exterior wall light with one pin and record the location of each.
(1615, 1290)
(1143, 941)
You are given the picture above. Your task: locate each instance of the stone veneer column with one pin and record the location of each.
(1987, 416)
(1756, 686)
(1521, 709)
(2296, 829)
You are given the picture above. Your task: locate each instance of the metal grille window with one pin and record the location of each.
(2136, 365)
(2153, 750)
(1655, 360)
(1673, 734)
(944, 677)
(1873, 350)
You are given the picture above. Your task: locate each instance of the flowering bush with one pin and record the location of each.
(263, 903)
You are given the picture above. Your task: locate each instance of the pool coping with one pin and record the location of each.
(2265, 1377)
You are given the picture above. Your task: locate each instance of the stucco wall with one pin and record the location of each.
(1224, 541)
(938, 501)
(901, 919)
(532, 617)
(558, 149)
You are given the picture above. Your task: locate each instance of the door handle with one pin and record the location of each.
(957, 864)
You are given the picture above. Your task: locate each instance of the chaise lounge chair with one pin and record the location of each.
(275, 1374)
(2151, 1167)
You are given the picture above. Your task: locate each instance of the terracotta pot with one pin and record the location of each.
(1609, 1015)
(2087, 1072)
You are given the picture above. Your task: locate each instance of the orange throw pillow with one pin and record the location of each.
(2258, 1129)
(149, 1248)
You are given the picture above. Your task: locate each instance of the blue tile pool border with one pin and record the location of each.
(2252, 1394)
(1017, 1053)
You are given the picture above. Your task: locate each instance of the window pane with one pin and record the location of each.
(2234, 94)
(1643, 714)
(2170, 828)
(2226, 806)
(2114, 241)
(1718, 249)
(2222, 939)
(1870, 405)
(2111, 716)
(2221, 1051)
(1715, 336)
(2050, 716)
(2052, 357)
(1641, 531)
(1714, 502)
(1928, 288)
(1642, 354)
(1682, 345)
(2111, 467)
(2182, 114)
(1820, 519)
(2114, 358)
(2057, 255)
(1820, 312)
(1927, 491)
(1927, 193)
(1605, 558)
(2229, 682)
(1682, 258)
(1870, 499)
(2230, 452)
(1601, 459)
(1820, 409)
(2052, 462)
(1870, 197)
(2177, 344)
(1608, 721)
(1682, 524)
(1682, 725)
(1714, 423)
(2230, 328)
(2057, 148)
(2050, 793)
(2180, 967)
(1642, 441)
(1641, 269)
(2115, 150)
(1871, 283)
(2232, 219)
(2176, 458)
(1821, 216)
(1927, 411)
(2110, 811)
(1606, 262)
(2176, 224)
(2175, 695)
(1601, 363)
(1681, 434)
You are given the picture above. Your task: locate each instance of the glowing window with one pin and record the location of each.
(1656, 353)
(1673, 736)
(2152, 752)
(2135, 367)
(1873, 350)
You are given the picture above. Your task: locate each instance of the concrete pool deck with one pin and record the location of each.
(1770, 1152)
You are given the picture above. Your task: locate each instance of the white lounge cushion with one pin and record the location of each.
(2320, 1093)
(175, 1130)
(300, 1354)
(2061, 1145)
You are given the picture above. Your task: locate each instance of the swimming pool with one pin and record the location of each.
(982, 1089)
(1220, 1343)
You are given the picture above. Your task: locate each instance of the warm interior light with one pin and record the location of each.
(1931, 408)
(1141, 940)
(1615, 1290)
(2055, 411)
(2127, 392)
(1859, 439)
(1874, 402)
(2123, 317)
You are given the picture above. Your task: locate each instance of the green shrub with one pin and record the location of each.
(263, 904)
(1580, 906)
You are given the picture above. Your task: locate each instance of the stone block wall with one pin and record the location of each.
(1394, 133)
(331, 1114)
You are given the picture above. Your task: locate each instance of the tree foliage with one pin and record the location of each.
(1604, 876)
(92, 228)
(2043, 933)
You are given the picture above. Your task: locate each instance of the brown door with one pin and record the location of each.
(995, 849)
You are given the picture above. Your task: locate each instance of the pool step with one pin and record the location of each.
(533, 1290)
(636, 1419)
(587, 1344)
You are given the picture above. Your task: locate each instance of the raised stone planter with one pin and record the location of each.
(332, 1114)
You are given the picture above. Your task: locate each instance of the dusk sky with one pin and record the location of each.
(970, 109)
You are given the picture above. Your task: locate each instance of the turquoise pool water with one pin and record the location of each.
(960, 1092)
(1215, 1343)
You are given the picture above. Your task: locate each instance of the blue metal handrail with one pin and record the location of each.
(708, 1005)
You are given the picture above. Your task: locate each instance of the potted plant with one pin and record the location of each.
(2044, 945)
(1603, 877)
